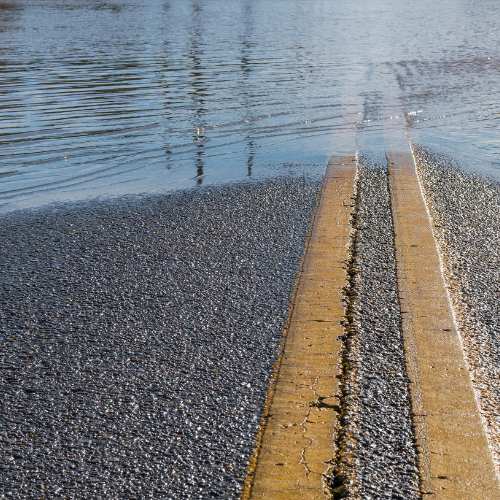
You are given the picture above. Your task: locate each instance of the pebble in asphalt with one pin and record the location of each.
(138, 337)
(377, 449)
(465, 211)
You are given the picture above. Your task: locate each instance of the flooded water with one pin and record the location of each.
(112, 97)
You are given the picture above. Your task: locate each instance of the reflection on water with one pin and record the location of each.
(124, 96)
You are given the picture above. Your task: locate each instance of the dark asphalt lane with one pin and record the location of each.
(138, 337)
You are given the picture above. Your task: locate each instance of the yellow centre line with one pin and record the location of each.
(301, 425)
(454, 457)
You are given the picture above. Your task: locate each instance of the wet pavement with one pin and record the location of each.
(138, 338)
(138, 334)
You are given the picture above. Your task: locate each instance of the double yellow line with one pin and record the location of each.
(296, 447)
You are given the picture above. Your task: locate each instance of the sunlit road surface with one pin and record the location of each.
(300, 454)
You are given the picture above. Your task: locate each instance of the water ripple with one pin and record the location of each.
(105, 98)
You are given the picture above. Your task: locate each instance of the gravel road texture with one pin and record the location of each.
(465, 212)
(377, 449)
(138, 337)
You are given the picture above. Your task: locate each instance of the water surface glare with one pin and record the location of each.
(114, 97)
